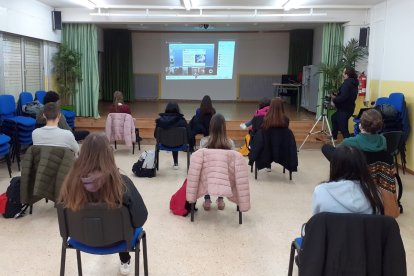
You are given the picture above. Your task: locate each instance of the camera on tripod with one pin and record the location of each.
(327, 100)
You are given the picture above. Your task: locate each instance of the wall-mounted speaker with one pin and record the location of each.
(57, 20)
(363, 37)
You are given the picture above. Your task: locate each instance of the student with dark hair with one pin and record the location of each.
(217, 140)
(350, 188)
(169, 119)
(200, 123)
(51, 134)
(95, 178)
(53, 97)
(118, 105)
(344, 102)
(368, 140)
(264, 106)
(275, 117)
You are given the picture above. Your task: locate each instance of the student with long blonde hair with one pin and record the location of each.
(217, 140)
(95, 178)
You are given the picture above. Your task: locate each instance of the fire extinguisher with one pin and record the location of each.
(362, 87)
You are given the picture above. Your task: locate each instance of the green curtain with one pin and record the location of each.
(300, 50)
(117, 64)
(332, 39)
(83, 38)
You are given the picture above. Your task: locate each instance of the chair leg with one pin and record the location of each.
(139, 145)
(115, 144)
(157, 156)
(133, 148)
(400, 192)
(31, 209)
(188, 158)
(144, 253)
(137, 248)
(284, 169)
(79, 261)
(18, 156)
(292, 257)
(192, 211)
(63, 259)
(240, 215)
(290, 175)
(8, 161)
(255, 171)
(251, 168)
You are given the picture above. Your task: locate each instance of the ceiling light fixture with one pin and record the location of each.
(187, 4)
(87, 3)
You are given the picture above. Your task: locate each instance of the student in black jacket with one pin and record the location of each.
(200, 123)
(169, 119)
(94, 177)
(345, 103)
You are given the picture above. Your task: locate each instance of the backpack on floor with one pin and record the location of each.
(145, 166)
(14, 209)
(178, 204)
(245, 149)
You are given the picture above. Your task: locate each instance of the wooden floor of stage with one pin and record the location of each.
(145, 113)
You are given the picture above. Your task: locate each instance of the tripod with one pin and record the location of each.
(326, 129)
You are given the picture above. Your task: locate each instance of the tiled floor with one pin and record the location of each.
(215, 244)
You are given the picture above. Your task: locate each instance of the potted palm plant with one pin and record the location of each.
(67, 69)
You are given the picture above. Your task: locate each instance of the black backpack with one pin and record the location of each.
(14, 209)
(145, 166)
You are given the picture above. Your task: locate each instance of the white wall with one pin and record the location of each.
(28, 18)
(255, 54)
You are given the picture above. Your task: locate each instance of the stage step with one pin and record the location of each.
(147, 125)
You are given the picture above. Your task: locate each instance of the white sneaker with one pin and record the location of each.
(175, 167)
(268, 169)
(125, 268)
(243, 126)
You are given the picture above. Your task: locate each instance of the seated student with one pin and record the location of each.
(350, 188)
(53, 97)
(118, 105)
(368, 140)
(264, 106)
(169, 119)
(275, 117)
(94, 177)
(200, 123)
(217, 140)
(51, 134)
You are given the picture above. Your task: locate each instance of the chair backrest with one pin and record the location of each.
(381, 100)
(7, 106)
(96, 225)
(397, 100)
(359, 242)
(25, 97)
(40, 96)
(172, 137)
(393, 141)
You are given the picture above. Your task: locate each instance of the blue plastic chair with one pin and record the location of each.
(24, 98)
(396, 99)
(172, 139)
(99, 230)
(19, 128)
(70, 117)
(40, 96)
(5, 150)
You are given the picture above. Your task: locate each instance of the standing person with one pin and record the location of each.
(217, 140)
(200, 123)
(344, 102)
(51, 134)
(350, 188)
(118, 105)
(95, 178)
(169, 119)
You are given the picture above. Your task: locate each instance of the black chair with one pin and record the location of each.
(350, 244)
(393, 144)
(96, 229)
(172, 139)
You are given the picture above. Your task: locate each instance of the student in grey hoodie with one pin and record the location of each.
(350, 188)
(368, 140)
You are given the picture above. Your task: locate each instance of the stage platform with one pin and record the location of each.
(145, 113)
